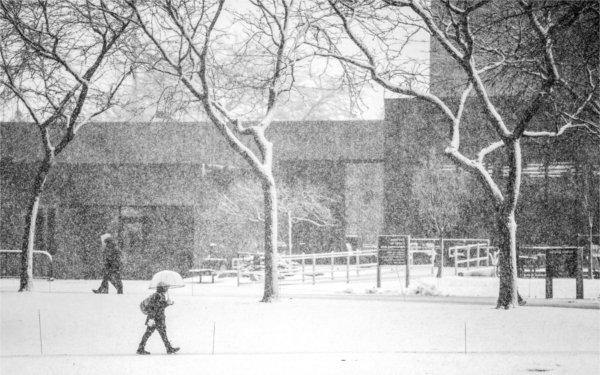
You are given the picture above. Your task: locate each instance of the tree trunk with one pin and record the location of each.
(507, 229)
(507, 264)
(271, 275)
(26, 273)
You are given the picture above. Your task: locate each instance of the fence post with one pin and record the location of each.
(378, 273)
(407, 264)
(455, 261)
(548, 282)
(579, 273)
(314, 259)
(238, 271)
(468, 257)
(303, 266)
(347, 267)
(332, 259)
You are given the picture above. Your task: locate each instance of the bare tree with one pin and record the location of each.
(440, 195)
(60, 60)
(299, 202)
(238, 62)
(377, 34)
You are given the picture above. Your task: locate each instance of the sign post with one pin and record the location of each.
(392, 250)
(562, 261)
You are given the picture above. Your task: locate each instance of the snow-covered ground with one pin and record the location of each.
(331, 327)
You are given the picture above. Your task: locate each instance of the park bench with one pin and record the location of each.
(203, 272)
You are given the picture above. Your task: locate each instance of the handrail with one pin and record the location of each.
(337, 254)
(545, 248)
(20, 251)
(455, 250)
(43, 252)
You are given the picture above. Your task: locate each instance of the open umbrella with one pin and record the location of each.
(166, 278)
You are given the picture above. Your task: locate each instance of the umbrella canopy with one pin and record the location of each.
(166, 278)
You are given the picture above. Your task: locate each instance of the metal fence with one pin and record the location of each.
(10, 264)
(311, 260)
(474, 253)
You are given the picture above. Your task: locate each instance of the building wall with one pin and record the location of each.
(550, 210)
(160, 180)
(161, 214)
(364, 200)
(166, 143)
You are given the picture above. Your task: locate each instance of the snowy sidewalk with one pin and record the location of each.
(77, 332)
(303, 364)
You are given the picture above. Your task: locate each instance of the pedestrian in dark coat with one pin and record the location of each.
(112, 265)
(154, 306)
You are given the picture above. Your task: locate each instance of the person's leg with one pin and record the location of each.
(145, 337)
(115, 280)
(103, 285)
(162, 330)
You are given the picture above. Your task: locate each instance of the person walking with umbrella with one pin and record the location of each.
(112, 265)
(154, 307)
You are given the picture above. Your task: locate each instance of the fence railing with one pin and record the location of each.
(427, 246)
(4, 264)
(329, 259)
(306, 264)
(462, 254)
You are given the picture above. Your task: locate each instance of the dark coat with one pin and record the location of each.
(112, 256)
(156, 307)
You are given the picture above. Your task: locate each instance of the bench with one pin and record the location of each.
(204, 272)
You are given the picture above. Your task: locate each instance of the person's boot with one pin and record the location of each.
(142, 344)
(163, 335)
(99, 291)
(142, 351)
(172, 350)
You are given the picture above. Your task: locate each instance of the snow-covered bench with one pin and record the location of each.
(204, 272)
